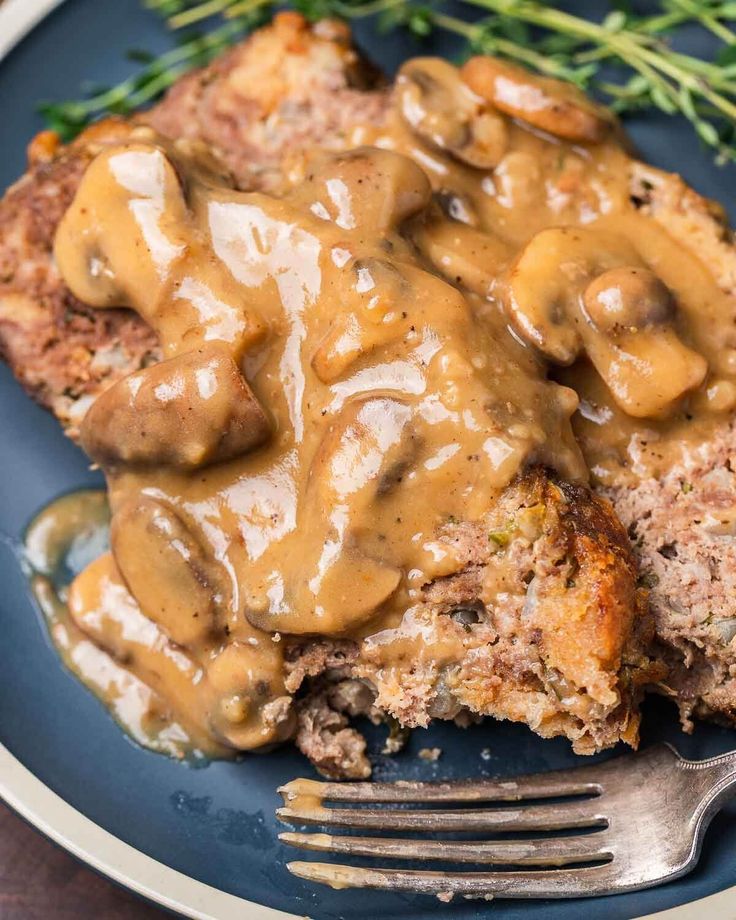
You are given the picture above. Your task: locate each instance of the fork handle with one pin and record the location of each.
(715, 779)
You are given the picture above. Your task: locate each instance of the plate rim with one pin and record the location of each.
(122, 863)
(56, 819)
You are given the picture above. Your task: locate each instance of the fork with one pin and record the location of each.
(643, 817)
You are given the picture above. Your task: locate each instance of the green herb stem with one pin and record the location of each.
(245, 7)
(698, 11)
(69, 117)
(198, 13)
(670, 80)
(535, 34)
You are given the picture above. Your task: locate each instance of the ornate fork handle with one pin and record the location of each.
(714, 779)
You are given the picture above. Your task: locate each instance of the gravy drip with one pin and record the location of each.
(62, 541)
(356, 362)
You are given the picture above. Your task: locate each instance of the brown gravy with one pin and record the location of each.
(64, 538)
(353, 363)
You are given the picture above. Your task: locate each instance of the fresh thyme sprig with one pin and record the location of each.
(157, 75)
(626, 58)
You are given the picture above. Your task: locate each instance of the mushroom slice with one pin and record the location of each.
(440, 109)
(366, 187)
(467, 257)
(125, 230)
(166, 570)
(348, 595)
(187, 412)
(550, 105)
(648, 371)
(129, 239)
(631, 340)
(362, 459)
(236, 692)
(102, 607)
(377, 300)
(574, 290)
(252, 706)
(545, 282)
(628, 299)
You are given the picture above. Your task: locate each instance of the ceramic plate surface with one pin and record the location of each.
(167, 830)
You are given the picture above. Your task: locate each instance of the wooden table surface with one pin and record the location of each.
(39, 881)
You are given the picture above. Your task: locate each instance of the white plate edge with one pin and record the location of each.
(101, 849)
(18, 17)
(119, 861)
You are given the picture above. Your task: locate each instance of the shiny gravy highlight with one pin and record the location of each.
(377, 350)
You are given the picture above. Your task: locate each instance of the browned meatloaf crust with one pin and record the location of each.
(569, 603)
(311, 88)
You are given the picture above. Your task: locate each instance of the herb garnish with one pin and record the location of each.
(626, 59)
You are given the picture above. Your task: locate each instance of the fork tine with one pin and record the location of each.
(554, 883)
(581, 781)
(558, 851)
(530, 818)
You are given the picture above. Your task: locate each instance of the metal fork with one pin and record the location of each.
(645, 817)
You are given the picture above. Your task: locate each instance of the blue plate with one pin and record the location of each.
(216, 824)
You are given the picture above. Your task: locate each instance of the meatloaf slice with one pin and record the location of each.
(311, 87)
(288, 87)
(683, 523)
(683, 527)
(691, 559)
